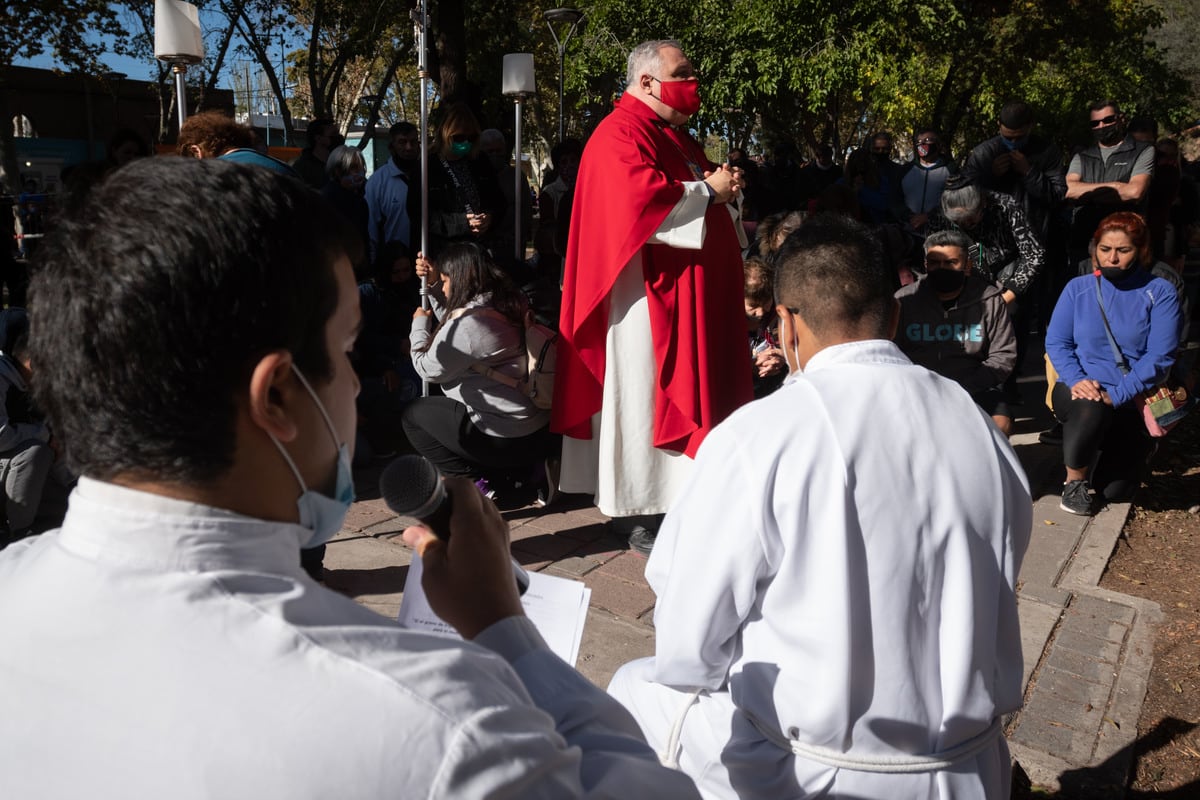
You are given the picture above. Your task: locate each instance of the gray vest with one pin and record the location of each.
(1119, 169)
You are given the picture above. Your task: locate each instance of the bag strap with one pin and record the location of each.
(485, 370)
(1122, 364)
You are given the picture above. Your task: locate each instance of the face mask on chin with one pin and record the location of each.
(1115, 274)
(321, 514)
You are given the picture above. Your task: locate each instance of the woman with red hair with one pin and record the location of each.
(1098, 395)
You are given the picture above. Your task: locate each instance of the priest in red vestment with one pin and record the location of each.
(651, 354)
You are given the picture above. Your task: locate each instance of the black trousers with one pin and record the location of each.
(1112, 441)
(440, 429)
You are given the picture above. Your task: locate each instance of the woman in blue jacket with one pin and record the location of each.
(1097, 398)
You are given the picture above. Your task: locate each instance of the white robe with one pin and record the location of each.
(840, 568)
(619, 464)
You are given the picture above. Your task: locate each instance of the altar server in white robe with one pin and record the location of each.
(836, 611)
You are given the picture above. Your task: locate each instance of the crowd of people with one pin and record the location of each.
(836, 586)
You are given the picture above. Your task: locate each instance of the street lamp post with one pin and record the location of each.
(177, 41)
(518, 84)
(568, 19)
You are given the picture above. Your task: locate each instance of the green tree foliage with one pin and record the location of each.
(801, 71)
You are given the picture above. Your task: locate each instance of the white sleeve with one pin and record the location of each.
(684, 226)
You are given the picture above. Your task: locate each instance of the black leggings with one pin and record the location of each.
(440, 429)
(1114, 440)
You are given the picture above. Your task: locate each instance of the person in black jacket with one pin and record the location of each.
(465, 201)
(1021, 164)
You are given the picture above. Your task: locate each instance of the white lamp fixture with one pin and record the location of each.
(177, 40)
(518, 83)
(518, 74)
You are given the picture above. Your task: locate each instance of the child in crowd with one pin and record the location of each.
(769, 366)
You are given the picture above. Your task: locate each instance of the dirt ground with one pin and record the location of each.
(1160, 561)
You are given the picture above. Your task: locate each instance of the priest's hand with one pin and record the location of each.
(723, 182)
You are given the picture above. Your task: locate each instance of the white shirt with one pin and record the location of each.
(154, 648)
(842, 563)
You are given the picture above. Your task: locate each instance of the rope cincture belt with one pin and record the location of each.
(901, 764)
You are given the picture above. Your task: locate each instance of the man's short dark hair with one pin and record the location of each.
(402, 128)
(831, 271)
(157, 297)
(567, 147)
(1143, 124)
(1100, 105)
(1016, 115)
(316, 128)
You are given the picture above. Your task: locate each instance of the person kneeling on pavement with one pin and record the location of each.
(836, 614)
(482, 428)
(955, 322)
(1098, 395)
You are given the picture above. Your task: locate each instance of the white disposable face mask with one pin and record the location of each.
(320, 513)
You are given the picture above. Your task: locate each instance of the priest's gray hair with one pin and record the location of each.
(645, 59)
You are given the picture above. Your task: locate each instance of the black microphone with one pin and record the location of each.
(412, 486)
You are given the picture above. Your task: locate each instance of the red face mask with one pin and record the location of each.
(683, 96)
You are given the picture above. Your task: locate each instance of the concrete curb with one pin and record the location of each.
(1077, 729)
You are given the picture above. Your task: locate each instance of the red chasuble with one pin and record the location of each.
(630, 178)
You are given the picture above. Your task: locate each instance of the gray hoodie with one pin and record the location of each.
(971, 342)
(468, 339)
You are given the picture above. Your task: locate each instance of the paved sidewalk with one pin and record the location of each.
(1087, 651)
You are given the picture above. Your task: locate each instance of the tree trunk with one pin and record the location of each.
(451, 50)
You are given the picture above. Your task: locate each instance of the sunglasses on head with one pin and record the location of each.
(1109, 120)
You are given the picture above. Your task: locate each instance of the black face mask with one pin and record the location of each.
(944, 281)
(1108, 136)
(1115, 274)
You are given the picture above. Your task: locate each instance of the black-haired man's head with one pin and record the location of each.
(404, 142)
(160, 301)
(831, 286)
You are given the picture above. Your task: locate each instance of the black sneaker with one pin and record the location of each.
(1052, 436)
(1077, 498)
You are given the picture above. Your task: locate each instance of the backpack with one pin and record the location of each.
(540, 345)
